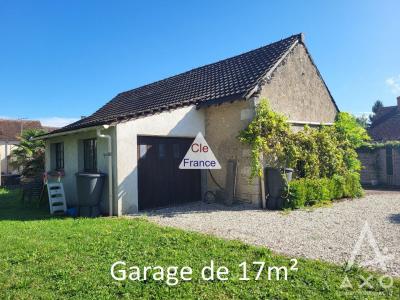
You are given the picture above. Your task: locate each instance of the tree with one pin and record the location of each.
(375, 109)
(377, 106)
(363, 121)
(350, 136)
(29, 155)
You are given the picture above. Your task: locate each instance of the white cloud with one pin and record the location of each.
(362, 113)
(57, 121)
(394, 84)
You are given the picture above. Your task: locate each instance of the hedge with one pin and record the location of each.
(308, 192)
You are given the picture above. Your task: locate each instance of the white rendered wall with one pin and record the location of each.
(181, 122)
(5, 150)
(73, 161)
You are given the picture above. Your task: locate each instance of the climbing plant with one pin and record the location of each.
(313, 153)
(269, 135)
(372, 146)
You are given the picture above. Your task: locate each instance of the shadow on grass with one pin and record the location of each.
(12, 207)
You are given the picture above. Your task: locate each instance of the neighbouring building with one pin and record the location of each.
(10, 131)
(152, 127)
(381, 164)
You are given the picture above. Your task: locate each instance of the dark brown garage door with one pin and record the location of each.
(161, 182)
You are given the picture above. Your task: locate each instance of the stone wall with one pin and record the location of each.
(297, 91)
(369, 171)
(374, 169)
(223, 123)
(396, 167)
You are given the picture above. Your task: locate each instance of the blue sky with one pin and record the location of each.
(63, 59)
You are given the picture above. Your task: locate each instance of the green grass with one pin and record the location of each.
(48, 258)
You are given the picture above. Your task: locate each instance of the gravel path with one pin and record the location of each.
(328, 233)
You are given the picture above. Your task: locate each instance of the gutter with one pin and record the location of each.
(110, 168)
(51, 135)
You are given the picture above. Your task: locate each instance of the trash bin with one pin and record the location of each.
(275, 184)
(89, 190)
(288, 173)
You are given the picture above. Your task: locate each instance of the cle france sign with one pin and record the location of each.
(199, 156)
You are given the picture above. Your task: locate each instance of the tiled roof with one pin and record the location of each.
(227, 79)
(10, 130)
(386, 126)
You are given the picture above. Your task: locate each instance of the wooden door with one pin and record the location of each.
(161, 182)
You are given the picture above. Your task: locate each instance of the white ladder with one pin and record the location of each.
(56, 197)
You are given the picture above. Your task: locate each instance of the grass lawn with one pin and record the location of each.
(48, 258)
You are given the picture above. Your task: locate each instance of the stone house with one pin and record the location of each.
(381, 165)
(150, 128)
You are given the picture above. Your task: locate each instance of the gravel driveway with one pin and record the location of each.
(328, 233)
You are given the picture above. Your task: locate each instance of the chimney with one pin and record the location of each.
(398, 102)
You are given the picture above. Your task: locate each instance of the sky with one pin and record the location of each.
(60, 60)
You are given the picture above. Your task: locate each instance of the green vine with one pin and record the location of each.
(372, 146)
(268, 135)
(313, 153)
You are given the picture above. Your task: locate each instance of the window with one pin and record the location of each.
(59, 155)
(90, 155)
(389, 160)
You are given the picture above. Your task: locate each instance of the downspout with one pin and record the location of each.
(6, 156)
(110, 168)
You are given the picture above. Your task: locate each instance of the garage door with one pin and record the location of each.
(161, 182)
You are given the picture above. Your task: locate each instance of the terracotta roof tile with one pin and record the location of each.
(387, 126)
(10, 130)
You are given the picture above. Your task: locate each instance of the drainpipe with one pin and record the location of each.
(110, 172)
(6, 156)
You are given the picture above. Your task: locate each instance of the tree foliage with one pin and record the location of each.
(313, 153)
(377, 106)
(375, 109)
(363, 121)
(29, 155)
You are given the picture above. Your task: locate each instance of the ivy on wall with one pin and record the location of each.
(372, 146)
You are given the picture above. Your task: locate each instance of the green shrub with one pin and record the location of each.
(317, 190)
(308, 192)
(337, 184)
(324, 158)
(297, 194)
(312, 152)
(353, 185)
